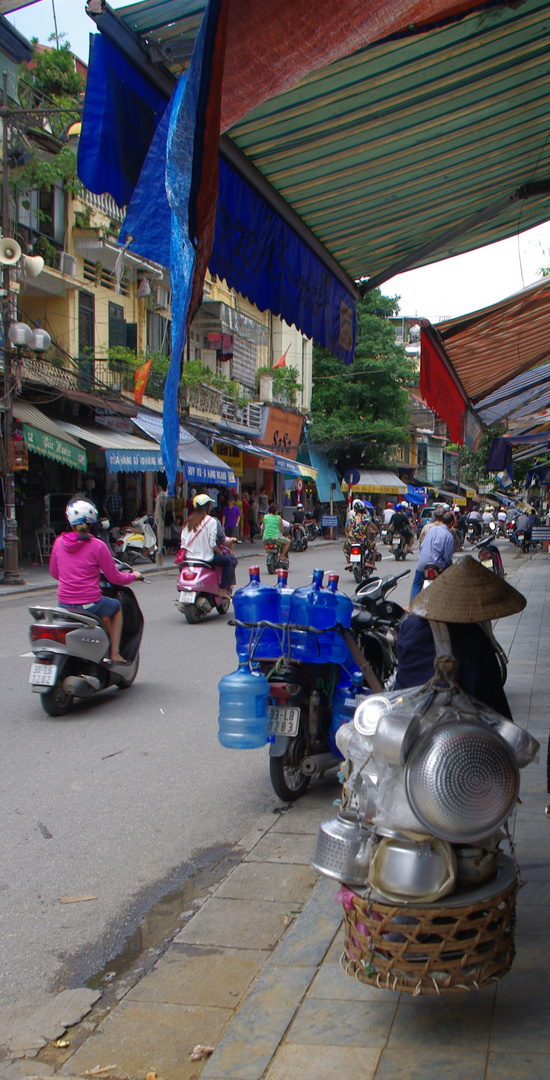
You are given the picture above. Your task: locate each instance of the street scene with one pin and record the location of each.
(274, 540)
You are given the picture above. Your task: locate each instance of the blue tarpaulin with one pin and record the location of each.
(416, 495)
(326, 476)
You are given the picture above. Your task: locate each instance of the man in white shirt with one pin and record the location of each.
(388, 513)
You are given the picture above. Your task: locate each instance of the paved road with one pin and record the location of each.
(122, 798)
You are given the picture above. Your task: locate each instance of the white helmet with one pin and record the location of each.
(81, 512)
(358, 505)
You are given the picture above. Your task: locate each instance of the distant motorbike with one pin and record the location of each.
(198, 589)
(312, 528)
(298, 537)
(399, 547)
(361, 561)
(70, 649)
(136, 542)
(273, 560)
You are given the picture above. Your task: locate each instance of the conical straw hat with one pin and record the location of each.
(466, 593)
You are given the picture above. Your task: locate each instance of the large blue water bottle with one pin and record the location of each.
(308, 608)
(343, 610)
(255, 603)
(285, 593)
(346, 698)
(244, 697)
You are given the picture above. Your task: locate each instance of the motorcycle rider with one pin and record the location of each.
(77, 560)
(388, 513)
(524, 523)
(298, 514)
(474, 518)
(360, 530)
(401, 524)
(437, 547)
(273, 529)
(199, 538)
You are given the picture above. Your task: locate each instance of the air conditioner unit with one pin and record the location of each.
(67, 263)
(161, 297)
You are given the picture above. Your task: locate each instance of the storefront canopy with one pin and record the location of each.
(327, 482)
(472, 368)
(352, 148)
(48, 437)
(379, 482)
(199, 463)
(123, 453)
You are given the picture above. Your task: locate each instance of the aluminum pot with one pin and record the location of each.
(406, 871)
(339, 841)
(474, 865)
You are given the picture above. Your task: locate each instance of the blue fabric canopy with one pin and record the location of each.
(326, 475)
(416, 495)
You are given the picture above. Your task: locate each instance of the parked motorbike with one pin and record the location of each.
(298, 537)
(273, 560)
(372, 596)
(361, 561)
(377, 640)
(70, 649)
(198, 589)
(137, 542)
(312, 528)
(488, 553)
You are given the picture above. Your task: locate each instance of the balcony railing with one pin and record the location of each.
(43, 371)
(249, 415)
(105, 203)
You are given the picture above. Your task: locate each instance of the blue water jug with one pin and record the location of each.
(244, 697)
(254, 603)
(343, 610)
(347, 696)
(285, 592)
(308, 608)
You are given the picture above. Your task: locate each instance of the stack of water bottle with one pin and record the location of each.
(244, 694)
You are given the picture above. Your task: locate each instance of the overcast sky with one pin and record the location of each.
(445, 289)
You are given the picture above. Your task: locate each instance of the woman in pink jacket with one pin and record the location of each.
(77, 560)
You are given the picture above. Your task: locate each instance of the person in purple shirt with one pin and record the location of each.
(230, 518)
(437, 547)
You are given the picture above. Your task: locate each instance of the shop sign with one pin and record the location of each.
(231, 454)
(208, 474)
(134, 461)
(52, 447)
(282, 431)
(115, 423)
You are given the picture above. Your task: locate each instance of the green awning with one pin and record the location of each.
(43, 436)
(52, 447)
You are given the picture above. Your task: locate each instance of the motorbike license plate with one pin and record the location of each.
(354, 558)
(283, 721)
(187, 597)
(42, 674)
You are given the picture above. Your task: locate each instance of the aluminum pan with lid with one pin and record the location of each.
(462, 780)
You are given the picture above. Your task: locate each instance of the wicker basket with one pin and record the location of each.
(431, 950)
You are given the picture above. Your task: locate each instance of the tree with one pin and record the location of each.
(360, 411)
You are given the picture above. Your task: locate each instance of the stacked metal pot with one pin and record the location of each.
(431, 779)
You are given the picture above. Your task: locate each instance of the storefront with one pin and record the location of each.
(377, 485)
(46, 475)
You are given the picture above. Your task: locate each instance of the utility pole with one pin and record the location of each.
(11, 563)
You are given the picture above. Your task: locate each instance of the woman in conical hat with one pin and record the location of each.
(464, 597)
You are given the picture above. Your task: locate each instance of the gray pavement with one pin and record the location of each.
(255, 973)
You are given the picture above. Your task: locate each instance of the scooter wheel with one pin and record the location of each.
(379, 556)
(224, 607)
(57, 702)
(358, 574)
(193, 614)
(287, 781)
(271, 564)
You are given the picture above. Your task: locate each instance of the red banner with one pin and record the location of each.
(141, 374)
(439, 388)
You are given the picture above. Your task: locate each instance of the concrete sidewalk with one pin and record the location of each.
(261, 982)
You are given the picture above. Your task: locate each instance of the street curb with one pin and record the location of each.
(24, 590)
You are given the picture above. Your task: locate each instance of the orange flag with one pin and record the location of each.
(141, 374)
(282, 361)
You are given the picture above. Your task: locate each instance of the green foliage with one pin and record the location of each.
(53, 76)
(360, 412)
(51, 83)
(285, 383)
(473, 463)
